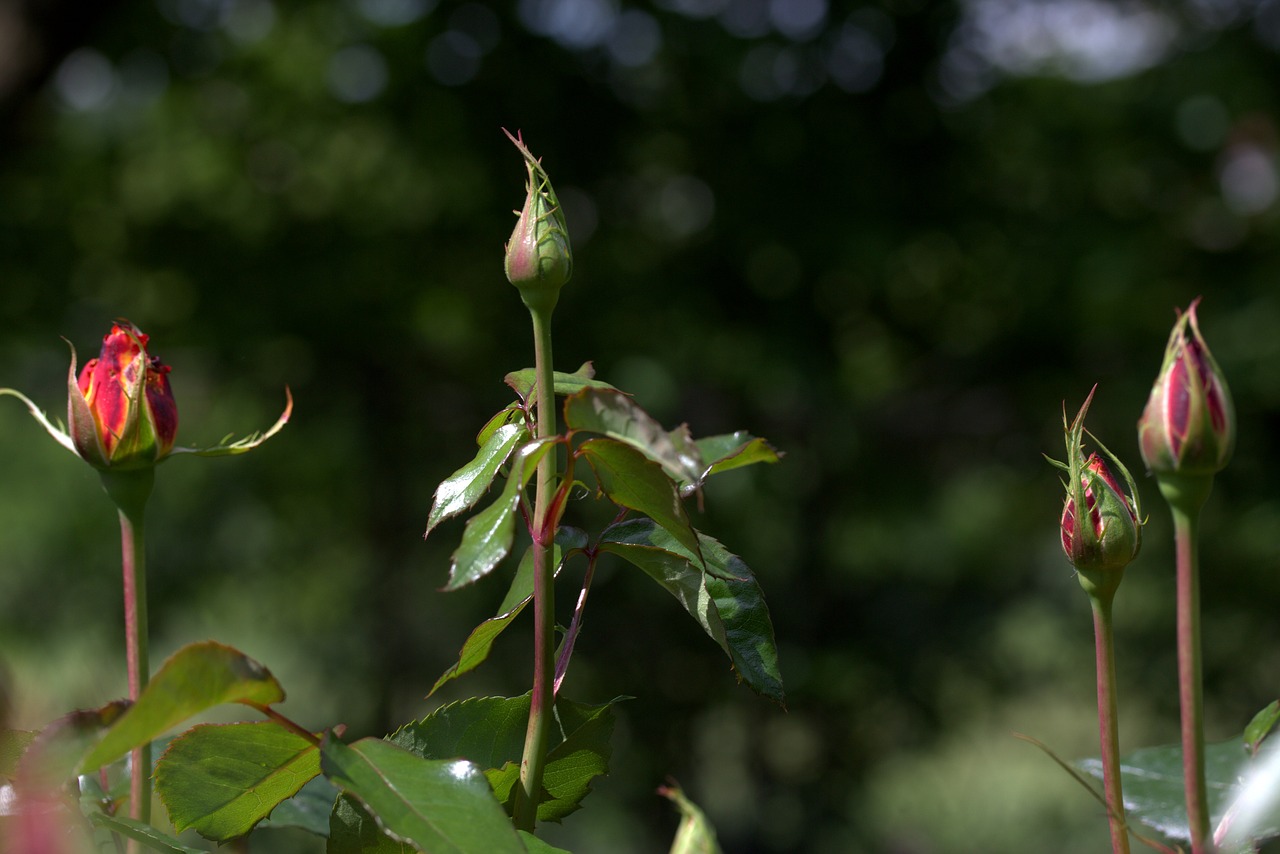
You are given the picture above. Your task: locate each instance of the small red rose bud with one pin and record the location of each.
(1101, 523)
(121, 409)
(1188, 426)
(539, 259)
(1110, 535)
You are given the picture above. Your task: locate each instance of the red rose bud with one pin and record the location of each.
(1188, 426)
(121, 409)
(539, 259)
(1109, 535)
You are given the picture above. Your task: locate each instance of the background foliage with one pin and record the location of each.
(893, 238)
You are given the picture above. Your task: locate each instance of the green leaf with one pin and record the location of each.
(480, 642)
(52, 757)
(725, 599)
(632, 480)
(353, 831)
(490, 732)
(142, 832)
(195, 678)
(524, 382)
(534, 845)
(490, 533)
(614, 414)
(13, 743)
(461, 490)
(222, 779)
(695, 835)
(1153, 785)
(308, 810)
(512, 414)
(441, 806)
(1261, 725)
(734, 450)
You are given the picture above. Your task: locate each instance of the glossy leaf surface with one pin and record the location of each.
(1153, 787)
(222, 779)
(734, 450)
(442, 806)
(728, 604)
(616, 415)
(632, 480)
(480, 642)
(195, 678)
(151, 838)
(524, 382)
(490, 533)
(461, 490)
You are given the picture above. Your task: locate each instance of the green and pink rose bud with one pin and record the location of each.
(1101, 523)
(1188, 426)
(121, 410)
(539, 258)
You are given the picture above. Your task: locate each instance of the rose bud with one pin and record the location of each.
(1188, 426)
(1108, 535)
(121, 410)
(539, 259)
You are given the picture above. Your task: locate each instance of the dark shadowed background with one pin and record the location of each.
(892, 237)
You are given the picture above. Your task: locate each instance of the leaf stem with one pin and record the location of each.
(1108, 721)
(525, 812)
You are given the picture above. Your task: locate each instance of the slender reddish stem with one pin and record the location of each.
(133, 553)
(1190, 692)
(532, 764)
(1108, 722)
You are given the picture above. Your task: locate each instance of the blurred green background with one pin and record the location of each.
(893, 237)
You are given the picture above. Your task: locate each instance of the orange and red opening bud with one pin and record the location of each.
(120, 409)
(1188, 426)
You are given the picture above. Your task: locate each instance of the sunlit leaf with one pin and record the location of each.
(616, 415)
(1261, 725)
(490, 732)
(441, 806)
(53, 755)
(222, 779)
(13, 743)
(308, 810)
(534, 845)
(480, 642)
(632, 480)
(464, 488)
(734, 450)
(490, 533)
(144, 833)
(725, 599)
(1153, 785)
(195, 678)
(695, 835)
(524, 382)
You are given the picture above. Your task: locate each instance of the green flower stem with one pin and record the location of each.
(525, 813)
(130, 490)
(1186, 495)
(1108, 721)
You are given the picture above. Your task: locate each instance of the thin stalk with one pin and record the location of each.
(525, 813)
(1108, 722)
(129, 490)
(133, 551)
(1190, 691)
